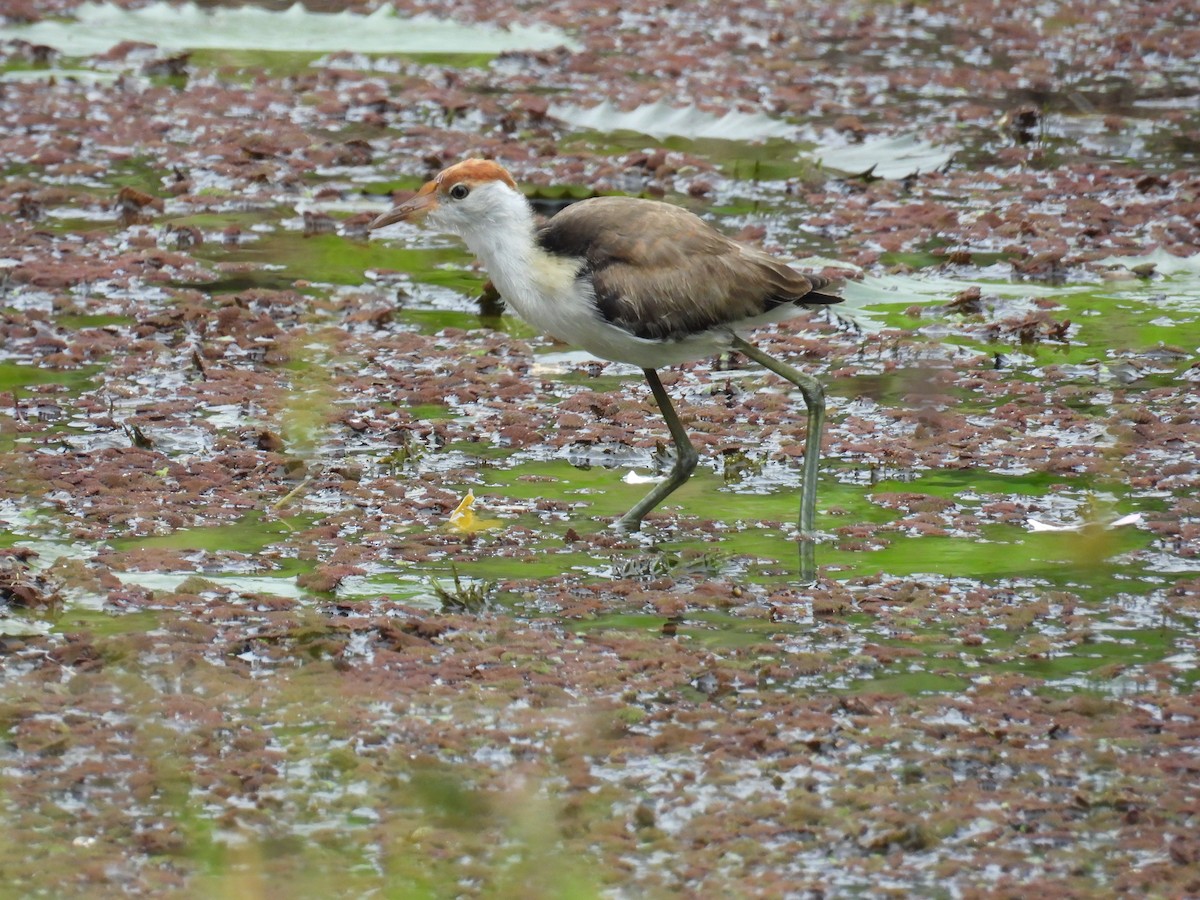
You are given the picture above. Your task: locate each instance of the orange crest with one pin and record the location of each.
(472, 172)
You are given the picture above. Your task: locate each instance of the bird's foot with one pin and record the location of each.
(627, 524)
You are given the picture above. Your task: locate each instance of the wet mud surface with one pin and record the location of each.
(253, 638)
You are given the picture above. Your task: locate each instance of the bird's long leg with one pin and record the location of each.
(685, 459)
(814, 399)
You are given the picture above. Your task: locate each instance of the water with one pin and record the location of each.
(235, 464)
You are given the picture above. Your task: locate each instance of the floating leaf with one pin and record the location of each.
(892, 157)
(632, 477)
(661, 120)
(1131, 519)
(924, 288)
(1163, 263)
(98, 26)
(464, 520)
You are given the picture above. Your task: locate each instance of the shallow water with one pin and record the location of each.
(754, 514)
(268, 631)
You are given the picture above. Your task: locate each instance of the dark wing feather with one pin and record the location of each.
(661, 272)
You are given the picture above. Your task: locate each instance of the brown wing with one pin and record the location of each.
(661, 272)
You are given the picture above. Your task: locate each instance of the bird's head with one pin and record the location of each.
(462, 198)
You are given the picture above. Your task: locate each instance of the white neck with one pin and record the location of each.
(502, 238)
(527, 277)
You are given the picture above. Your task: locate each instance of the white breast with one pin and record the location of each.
(553, 300)
(545, 291)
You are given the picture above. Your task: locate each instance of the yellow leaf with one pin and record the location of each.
(464, 520)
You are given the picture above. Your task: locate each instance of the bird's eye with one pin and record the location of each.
(459, 191)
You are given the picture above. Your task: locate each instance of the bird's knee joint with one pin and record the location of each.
(688, 459)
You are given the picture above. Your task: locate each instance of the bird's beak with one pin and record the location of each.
(415, 207)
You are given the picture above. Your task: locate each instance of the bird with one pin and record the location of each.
(636, 281)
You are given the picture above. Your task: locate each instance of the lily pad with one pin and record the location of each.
(83, 76)
(661, 120)
(892, 157)
(98, 26)
(1163, 263)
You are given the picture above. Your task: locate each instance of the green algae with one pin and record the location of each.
(21, 377)
(251, 534)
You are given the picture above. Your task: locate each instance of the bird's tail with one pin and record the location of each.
(818, 296)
